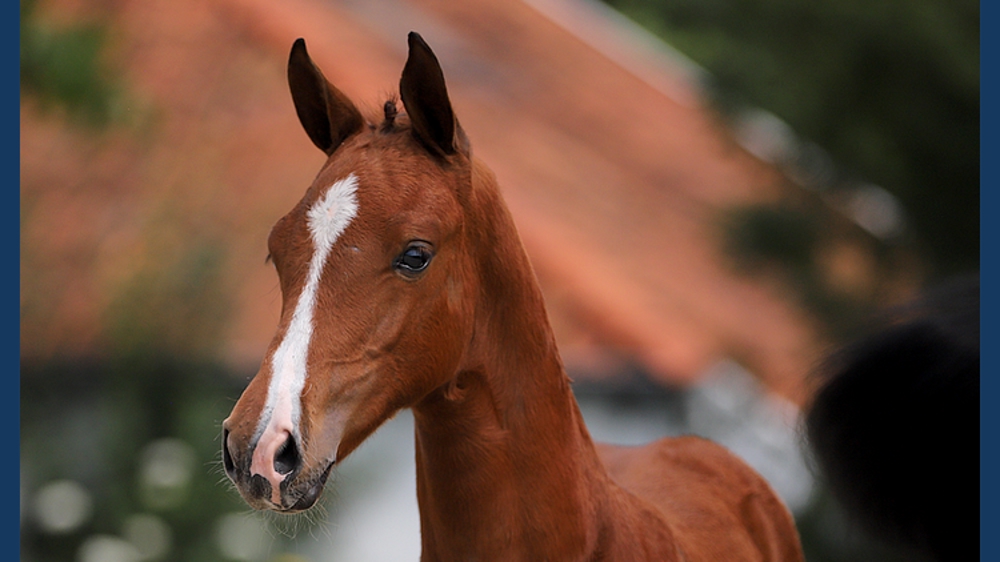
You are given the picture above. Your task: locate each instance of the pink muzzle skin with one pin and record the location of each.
(262, 463)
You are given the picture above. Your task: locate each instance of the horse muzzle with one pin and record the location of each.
(282, 485)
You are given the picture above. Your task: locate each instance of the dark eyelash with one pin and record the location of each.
(267, 260)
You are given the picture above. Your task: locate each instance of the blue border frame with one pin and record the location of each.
(10, 411)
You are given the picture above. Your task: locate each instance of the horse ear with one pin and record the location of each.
(326, 114)
(425, 98)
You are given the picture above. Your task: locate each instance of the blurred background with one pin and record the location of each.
(713, 194)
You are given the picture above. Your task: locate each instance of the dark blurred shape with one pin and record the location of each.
(895, 424)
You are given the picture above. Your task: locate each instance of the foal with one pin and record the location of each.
(405, 285)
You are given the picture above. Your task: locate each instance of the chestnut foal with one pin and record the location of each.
(405, 285)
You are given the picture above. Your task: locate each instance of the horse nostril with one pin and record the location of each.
(227, 458)
(287, 458)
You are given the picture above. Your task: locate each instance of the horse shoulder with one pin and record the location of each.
(703, 492)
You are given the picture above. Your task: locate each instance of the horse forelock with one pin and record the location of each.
(390, 111)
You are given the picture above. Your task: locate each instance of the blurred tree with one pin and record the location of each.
(890, 89)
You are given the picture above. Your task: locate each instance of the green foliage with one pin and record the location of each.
(890, 89)
(785, 239)
(64, 67)
(140, 442)
(175, 304)
(760, 234)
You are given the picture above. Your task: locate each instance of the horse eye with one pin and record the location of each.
(414, 259)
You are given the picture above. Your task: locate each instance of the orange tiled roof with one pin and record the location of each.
(613, 169)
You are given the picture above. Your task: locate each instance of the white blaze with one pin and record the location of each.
(327, 220)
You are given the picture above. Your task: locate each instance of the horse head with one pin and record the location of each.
(377, 284)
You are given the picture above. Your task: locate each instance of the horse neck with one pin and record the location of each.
(504, 461)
